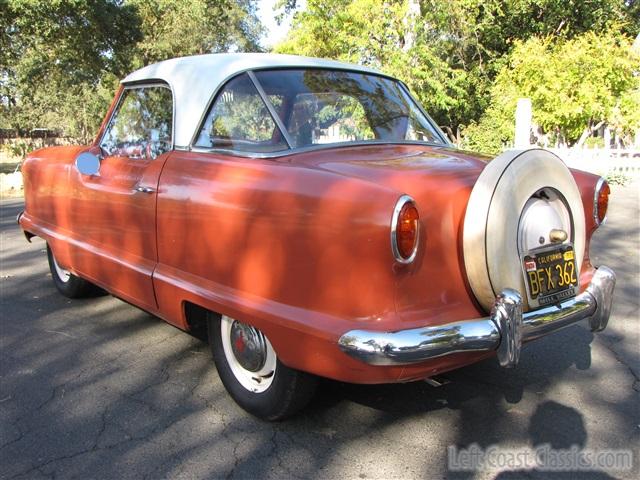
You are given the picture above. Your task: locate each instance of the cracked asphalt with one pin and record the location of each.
(99, 389)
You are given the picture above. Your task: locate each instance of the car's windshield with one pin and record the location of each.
(328, 106)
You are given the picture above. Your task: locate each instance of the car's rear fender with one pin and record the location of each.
(273, 242)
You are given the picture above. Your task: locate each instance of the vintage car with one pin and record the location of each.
(310, 219)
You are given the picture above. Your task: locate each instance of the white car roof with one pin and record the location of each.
(194, 80)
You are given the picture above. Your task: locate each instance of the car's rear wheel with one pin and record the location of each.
(67, 283)
(252, 373)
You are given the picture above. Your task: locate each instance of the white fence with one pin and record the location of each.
(602, 161)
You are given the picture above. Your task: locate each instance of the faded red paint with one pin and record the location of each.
(298, 246)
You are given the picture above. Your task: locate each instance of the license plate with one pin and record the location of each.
(551, 275)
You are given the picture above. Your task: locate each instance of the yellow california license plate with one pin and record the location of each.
(551, 274)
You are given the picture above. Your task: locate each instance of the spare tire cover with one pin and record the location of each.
(490, 237)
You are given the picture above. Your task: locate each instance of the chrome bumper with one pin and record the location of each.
(503, 331)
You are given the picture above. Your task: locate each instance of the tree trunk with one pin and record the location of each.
(587, 133)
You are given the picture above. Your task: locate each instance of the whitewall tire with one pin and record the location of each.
(67, 283)
(252, 373)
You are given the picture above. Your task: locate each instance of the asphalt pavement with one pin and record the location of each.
(99, 389)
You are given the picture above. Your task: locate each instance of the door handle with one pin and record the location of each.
(142, 189)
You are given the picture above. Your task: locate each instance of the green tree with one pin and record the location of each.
(449, 52)
(189, 27)
(57, 53)
(385, 35)
(60, 60)
(574, 86)
(476, 36)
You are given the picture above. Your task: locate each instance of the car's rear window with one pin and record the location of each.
(274, 110)
(239, 120)
(328, 106)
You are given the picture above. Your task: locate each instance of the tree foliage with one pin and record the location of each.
(574, 85)
(384, 35)
(467, 61)
(59, 51)
(449, 52)
(190, 27)
(60, 60)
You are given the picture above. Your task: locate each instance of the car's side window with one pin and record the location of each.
(239, 120)
(141, 125)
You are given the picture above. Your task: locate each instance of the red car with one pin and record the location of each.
(312, 220)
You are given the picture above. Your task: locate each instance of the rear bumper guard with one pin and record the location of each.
(504, 330)
(27, 235)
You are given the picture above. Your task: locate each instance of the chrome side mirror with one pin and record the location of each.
(88, 164)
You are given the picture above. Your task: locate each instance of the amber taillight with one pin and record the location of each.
(404, 230)
(601, 201)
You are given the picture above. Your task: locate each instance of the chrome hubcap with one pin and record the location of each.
(249, 353)
(249, 346)
(545, 220)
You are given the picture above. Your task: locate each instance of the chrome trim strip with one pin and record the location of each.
(310, 148)
(271, 108)
(503, 331)
(601, 182)
(404, 199)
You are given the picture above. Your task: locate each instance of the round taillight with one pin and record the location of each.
(404, 230)
(601, 201)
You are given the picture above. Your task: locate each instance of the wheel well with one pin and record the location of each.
(196, 317)
(28, 235)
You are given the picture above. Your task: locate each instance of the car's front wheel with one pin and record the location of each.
(67, 283)
(252, 373)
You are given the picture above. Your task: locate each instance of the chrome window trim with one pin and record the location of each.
(133, 86)
(402, 201)
(272, 111)
(310, 148)
(599, 185)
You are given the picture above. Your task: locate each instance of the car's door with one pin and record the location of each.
(115, 211)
